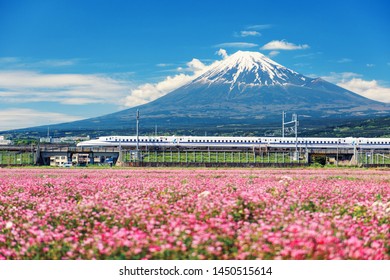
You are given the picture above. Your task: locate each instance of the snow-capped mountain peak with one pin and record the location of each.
(243, 69)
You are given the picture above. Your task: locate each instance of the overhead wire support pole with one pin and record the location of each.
(294, 120)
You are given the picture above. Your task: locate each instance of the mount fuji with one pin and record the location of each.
(246, 88)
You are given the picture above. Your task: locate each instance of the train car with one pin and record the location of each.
(236, 142)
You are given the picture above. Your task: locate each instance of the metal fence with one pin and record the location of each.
(16, 158)
(216, 158)
(196, 156)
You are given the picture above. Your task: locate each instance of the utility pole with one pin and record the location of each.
(295, 119)
(137, 127)
(283, 115)
(137, 133)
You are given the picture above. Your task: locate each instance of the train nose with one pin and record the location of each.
(84, 143)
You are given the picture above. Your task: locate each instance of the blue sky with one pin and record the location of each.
(65, 60)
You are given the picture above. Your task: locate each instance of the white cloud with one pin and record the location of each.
(15, 118)
(222, 53)
(344, 60)
(23, 63)
(369, 89)
(31, 86)
(163, 64)
(273, 53)
(283, 45)
(354, 82)
(8, 60)
(308, 55)
(246, 33)
(196, 66)
(151, 91)
(236, 45)
(56, 63)
(370, 65)
(259, 26)
(340, 77)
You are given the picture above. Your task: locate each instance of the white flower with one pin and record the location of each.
(8, 225)
(204, 194)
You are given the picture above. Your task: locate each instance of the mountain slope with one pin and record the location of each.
(245, 88)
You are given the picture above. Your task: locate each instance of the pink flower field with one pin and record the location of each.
(194, 214)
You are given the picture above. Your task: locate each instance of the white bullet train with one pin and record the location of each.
(237, 142)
